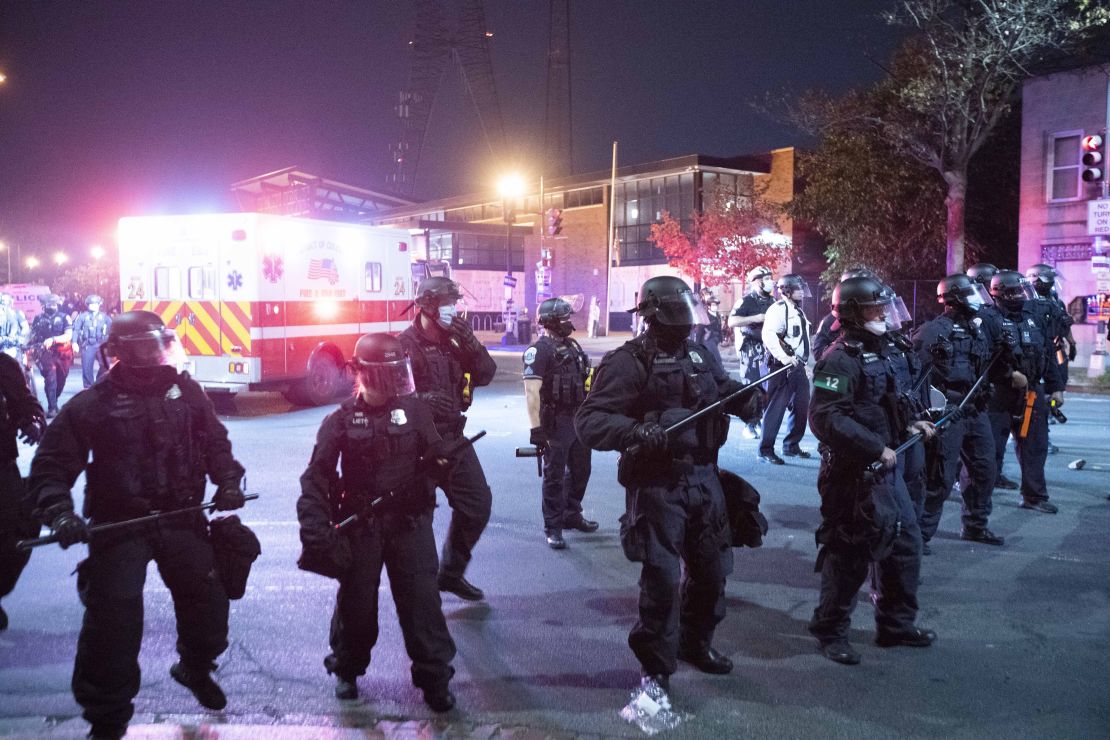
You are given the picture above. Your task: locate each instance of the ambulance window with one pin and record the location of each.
(202, 282)
(373, 276)
(167, 282)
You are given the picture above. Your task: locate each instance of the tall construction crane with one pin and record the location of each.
(434, 48)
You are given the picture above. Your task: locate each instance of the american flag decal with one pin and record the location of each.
(323, 268)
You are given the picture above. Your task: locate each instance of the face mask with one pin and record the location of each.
(766, 286)
(50, 310)
(446, 314)
(94, 307)
(565, 329)
(876, 327)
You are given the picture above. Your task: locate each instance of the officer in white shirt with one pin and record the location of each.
(786, 337)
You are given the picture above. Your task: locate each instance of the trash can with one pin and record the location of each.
(524, 331)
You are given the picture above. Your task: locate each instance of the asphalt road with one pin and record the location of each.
(1024, 630)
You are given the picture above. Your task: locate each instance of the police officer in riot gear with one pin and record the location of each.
(1022, 407)
(380, 444)
(556, 373)
(1046, 284)
(50, 331)
(20, 416)
(958, 350)
(786, 337)
(13, 326)
(746, 322)
(153, 438)
(90, 330)
(867, 517)
(448, 362)
(675, 518)
(1002, 333)
(828, 328)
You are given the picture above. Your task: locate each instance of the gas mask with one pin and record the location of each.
(562, 329)
(670, 336)
(50, 310)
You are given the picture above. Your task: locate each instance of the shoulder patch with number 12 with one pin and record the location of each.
(830, 382)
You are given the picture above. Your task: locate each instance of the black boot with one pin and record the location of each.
(3, 619)
(440, 699)
(461, 587)
(102, 731)
(200, 682)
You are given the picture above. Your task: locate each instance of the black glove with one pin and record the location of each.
(748, 407)
(680, 440)
(1072, 350)
(32, 430)
(649, 436)
(438, 460)
(462, 337)
(439, 403)
(229, 496)
(69, 528)
(538, 438)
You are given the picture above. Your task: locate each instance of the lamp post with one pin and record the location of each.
(510, 187)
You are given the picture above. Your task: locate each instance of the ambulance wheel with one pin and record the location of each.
(320, 385)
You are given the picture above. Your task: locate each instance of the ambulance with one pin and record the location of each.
(267, 302)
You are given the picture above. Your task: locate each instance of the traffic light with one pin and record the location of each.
(1094, 158)
(554, 221)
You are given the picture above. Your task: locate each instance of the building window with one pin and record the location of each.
(202, 282)
(1063, 166)
(167, 282)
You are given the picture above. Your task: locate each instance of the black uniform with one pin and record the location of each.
(710, 335)
(563, 368)
(908, 378)
(90, 330)
(750, 349)
(361, 453)
(54, 361)
(153, 438)
(828, 329)
(866, 518)
(675, 521)
(958, 350)
(1035, 358)
(18, 408)
(438, 368)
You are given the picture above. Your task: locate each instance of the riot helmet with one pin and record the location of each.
(896, 312)
(554, 315)
(1043, 278)
(1010, 289)
(7, 299)
(140, 339)
(852, 272)
(788, 284)
(760, 278)
(961, 293)
(382, 366)
(669, 301)
(438, 297)
(982, 273)
(50, 303)
(92, 298)
(854, 302)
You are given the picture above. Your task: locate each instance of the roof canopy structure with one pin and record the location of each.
(293, 192)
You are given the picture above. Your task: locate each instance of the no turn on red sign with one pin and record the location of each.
(1098, 217)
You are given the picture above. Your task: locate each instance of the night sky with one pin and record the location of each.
(133, 108)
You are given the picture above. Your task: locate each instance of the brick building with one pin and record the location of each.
(1058, 110)
(471, 235)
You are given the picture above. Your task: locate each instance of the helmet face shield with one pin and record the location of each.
(681, 309)
(388, 378)
(793, 288)
(147, 349)
(896, 313)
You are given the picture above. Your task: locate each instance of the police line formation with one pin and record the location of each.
(147, 439)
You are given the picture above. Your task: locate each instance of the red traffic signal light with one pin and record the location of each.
(554, 221)
(1094, 158)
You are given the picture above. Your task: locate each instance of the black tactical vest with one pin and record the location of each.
(564, 384)
(379, 454)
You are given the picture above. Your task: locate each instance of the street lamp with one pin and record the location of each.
(60, 258)
(511, 188)
(6, 248)
(32, 263)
